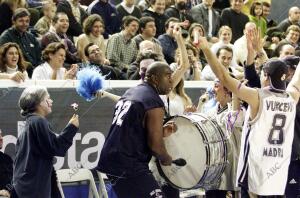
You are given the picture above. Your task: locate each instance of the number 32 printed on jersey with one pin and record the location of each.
(121, 109)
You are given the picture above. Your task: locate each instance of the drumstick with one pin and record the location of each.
(179, 162)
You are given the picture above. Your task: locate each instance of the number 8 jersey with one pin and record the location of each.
(267, 143)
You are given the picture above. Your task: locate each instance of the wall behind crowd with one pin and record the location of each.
(280, 12)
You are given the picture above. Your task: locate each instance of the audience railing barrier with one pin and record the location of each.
(95, 116)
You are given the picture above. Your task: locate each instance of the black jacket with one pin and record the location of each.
(35, 149)
(6, 13)
(160, 20)
(6, 171)
(27, 42)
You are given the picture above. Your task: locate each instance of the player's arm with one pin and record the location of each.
(154, 125)
(294, 86)
(104, 94)
(243, 92)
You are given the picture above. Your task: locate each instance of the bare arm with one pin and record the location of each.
(184, 61)
(154, 125)
(294, 86)
(243, 92)
(197, 67)
(103, 94)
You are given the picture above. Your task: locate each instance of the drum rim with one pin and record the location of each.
(161, 172)
(217, 127)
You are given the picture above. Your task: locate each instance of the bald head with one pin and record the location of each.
(159, 75)
(286, 50)
(146, 46)
(156, 68)
(249, 27)
(294, 14)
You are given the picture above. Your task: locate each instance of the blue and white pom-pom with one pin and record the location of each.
(90, 81)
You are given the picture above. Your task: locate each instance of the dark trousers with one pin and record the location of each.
(215, 194)
(142, 186)
(292, 189)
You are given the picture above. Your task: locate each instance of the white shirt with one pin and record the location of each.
(14, 70)
(45, 71)
(176, 105)
(209, 23)
(187, 74)
(240, 50)
(208, 74)
(216, 46)
(128, 9)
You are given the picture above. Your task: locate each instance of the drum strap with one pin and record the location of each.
(167, 111)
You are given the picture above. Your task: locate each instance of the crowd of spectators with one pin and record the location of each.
(118, 28)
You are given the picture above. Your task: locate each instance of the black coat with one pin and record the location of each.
(36, 147)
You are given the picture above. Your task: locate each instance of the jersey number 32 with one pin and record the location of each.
(121, 109)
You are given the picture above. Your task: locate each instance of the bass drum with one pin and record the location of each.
(203, 145)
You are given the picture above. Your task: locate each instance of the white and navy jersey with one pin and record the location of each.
(267, 143)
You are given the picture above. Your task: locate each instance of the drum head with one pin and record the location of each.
(186, 143)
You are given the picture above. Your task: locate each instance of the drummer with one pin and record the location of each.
(136, 134)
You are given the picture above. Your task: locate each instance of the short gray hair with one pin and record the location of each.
(30, 98)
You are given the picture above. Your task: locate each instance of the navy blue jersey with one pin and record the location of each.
(126, 152)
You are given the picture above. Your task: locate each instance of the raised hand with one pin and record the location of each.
(74, 120)
(250, 48)
(177, 31)
(71, 73)
(257, 41)
(203, 43)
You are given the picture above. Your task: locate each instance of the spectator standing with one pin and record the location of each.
(266, 13)
(208, 17)
(180, 11)
(34, 174)
(234, 18)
